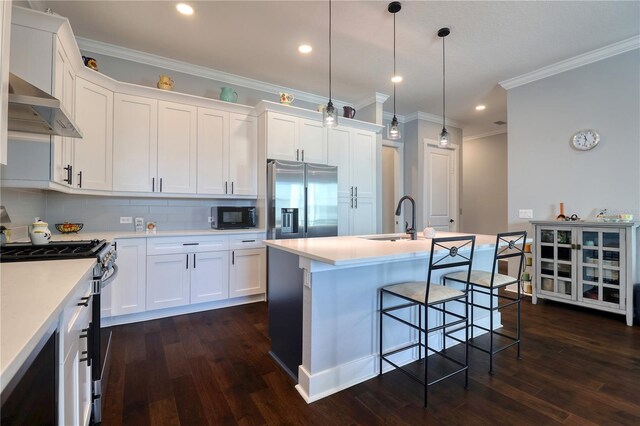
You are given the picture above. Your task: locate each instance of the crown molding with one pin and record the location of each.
(485, 135)
(575, 62)
(425, 116)
(375, 98)
(389, 116)
(127, 54)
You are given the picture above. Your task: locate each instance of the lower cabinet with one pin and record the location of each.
(128, 290)
(168, 281)
(74, 380)
(247, 275)
(210, 276)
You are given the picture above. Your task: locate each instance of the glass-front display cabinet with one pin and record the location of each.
(590, 264)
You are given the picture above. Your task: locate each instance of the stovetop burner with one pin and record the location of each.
(16, 252)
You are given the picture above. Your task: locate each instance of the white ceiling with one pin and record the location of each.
(490, 41)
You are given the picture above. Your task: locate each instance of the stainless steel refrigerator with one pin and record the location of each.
(302, 200)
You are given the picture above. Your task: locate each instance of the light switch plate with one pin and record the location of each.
(139, 224)
(126, 219)
(525, 214)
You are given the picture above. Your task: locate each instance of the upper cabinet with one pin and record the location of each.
(227, 153)
(296, 139)
(5, 37)
(93, 154)
(64, 88)
(177, 149)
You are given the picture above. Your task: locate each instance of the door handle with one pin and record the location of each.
(153, 184)
(232, 187)
(297, 154)
(233, 257)
(194, 261)
(303, 155)
(356, 191)
(356, 198)
(451, 220)
(69, 174)
(352, 201)
(225, 186)
(351, 191)
(80, 179)
(160, 184)
(186, 265)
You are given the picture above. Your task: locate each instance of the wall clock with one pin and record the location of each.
(585, 140)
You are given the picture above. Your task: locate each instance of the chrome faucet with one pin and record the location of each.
(411, 231)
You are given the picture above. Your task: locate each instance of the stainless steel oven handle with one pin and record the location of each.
(106, 281)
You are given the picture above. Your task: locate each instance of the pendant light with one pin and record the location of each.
(330, 114)
(393, 130)
(443, 141)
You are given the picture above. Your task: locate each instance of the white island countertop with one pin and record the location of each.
(360, 250)
(32, 296)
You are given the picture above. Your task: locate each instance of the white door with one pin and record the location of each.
(167, 281)
(363, 163)
(247, 273)
(63, 89)
(339, 154)
(313, 142)
(128, 289)
(213, 145)
(69, 409)
(135, 143)
(440, 188)
(93, 154)
(177, 147)
(282, 136)
(209, 276)
(243, 155)
(363, 216)
(344, 216)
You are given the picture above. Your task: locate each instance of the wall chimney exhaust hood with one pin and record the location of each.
(34, 111)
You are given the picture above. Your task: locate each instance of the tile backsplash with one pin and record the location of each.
(103, 213)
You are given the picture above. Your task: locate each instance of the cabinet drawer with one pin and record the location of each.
(176, 245)
(74, 318)
(246, 241)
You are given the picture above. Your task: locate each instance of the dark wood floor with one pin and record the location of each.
(578, 367)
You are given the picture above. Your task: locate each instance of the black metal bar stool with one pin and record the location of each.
(508, 245)
(446, 253)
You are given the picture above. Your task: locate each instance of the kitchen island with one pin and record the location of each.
(323, 304)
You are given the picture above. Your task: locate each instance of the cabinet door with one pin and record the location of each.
(84, 370)
(93, 154)
(601, 267)
(5, 37)
(212, 164)
(128, 289)
(69, 402)
(167, 281)
(344, 216)
(313, 142)
(243, 155)
(247, 275)
(64, 82)
(339, 154)
(363, 163)
(177, 147)
(363, 216)
(554, 261)
(135, 143)
(282, 136)
(209, 276)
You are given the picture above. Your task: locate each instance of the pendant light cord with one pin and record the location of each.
(329, 50)
(443, 85)
(394, 64)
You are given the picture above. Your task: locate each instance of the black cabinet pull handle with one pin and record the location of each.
(80, 179)
(190, 244)
(153, 184)
(233, 257)
(68, 169)
(225, 186)
(232, 187)
(248, 241)
(85, 359)
(303, 155)
(186, 266)
(194, 261)
(160, 184)
(85, 302)
(297, 154)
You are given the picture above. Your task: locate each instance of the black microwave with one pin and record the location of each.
(233, 217)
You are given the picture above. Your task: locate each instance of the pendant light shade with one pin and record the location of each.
(444, 140)
(330, 114)
(393, 129)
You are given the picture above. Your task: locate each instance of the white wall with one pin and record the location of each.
(484, 185)
(543, 168)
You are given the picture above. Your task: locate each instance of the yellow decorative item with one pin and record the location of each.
(165, 82)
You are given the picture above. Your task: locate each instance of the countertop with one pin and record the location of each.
(32, 296)
(345, 251)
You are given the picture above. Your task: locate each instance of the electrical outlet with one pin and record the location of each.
(525, 214)
(126, 219)
(139, 224)
(209, 219)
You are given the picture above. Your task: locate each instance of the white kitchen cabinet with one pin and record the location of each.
(177, 147)
(135, 143)
(128, 289)
(64, 88)
(296, 139)
(74, 376)
(93, 154)
(5, 44)
(209, 276)
(353, 151)
(247, 274)
(227, 162)
(167, 281)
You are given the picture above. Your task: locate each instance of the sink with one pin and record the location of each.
(390, 238)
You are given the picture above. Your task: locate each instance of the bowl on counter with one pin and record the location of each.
(68, 228)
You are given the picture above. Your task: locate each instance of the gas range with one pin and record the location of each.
(55, 250)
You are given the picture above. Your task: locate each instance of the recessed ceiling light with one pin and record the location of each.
(396, 79)
(185, 9)
(480, 107)
(305, 48)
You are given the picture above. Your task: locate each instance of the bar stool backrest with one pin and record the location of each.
(515, 242)
(449, 253)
